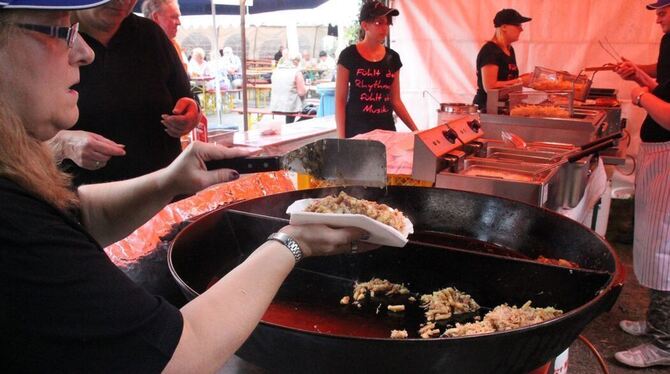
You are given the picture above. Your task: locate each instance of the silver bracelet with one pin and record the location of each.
(289, 243)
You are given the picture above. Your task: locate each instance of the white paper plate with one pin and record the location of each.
(379, 233)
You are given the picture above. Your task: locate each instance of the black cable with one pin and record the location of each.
(632, 159)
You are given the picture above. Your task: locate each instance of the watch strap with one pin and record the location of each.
(638, 98)
(289, 243)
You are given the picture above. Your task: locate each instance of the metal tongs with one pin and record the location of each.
(511, 138)
(610, 50)
(607, 67)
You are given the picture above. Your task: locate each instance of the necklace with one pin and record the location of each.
(374, 55)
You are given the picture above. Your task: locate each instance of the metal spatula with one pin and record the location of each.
(345, 161)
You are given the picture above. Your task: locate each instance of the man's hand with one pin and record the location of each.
(86, 149)
(185, 116)
(627, 70)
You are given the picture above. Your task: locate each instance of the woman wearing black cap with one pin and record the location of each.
(367, 88)
(496, 61)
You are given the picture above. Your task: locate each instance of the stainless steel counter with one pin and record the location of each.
(579, 130)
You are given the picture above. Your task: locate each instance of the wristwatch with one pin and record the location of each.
(638, 98)
(289, 243)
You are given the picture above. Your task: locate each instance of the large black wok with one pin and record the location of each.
(480, 244)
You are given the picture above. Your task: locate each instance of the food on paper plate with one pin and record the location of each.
(345, 204)
(385, 226)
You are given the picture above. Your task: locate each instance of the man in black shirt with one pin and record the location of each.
(651, 248)
(135, 100)
(644, 74)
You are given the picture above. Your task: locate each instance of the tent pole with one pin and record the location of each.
(215, 60)
(245, 103)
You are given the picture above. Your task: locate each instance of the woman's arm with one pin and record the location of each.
(341, 92)
(300, 84)
(221, 319)
(490, 78)
(398, 105)
(658, 109)
(111, 211)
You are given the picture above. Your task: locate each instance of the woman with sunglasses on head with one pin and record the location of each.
(367, 89)
(496, 61)
(65, 306)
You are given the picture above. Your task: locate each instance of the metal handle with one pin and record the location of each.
(246, 164)
(425, 92)
(588, 151)
(616, 135)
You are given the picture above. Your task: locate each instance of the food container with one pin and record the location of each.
(541, 104)
(548, 80)
(459, 108)
(451, 111)
(571, 177)
(531, 183)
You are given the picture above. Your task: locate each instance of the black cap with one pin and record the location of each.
(509, 17)
(323, 54)
(372, 9)
(659, 4)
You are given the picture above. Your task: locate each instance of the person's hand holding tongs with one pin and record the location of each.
(626, 69)
(609, 49)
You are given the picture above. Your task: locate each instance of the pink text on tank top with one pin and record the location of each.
(376, 92)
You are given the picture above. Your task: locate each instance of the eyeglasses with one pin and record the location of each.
(381, 23)
(69, 34)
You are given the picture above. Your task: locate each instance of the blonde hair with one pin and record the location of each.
(197, 51)
(499, 38)
(26, 160)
